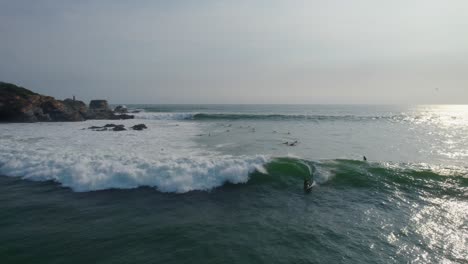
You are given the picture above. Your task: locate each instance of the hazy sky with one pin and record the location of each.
(215, 51)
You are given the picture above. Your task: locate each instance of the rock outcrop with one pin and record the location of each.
(119, 128)
(99, 109)
(114, 127)
(101, 105)
(18, 104)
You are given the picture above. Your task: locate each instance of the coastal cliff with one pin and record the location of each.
(18, 104)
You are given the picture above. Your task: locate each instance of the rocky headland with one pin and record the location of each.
(18, 104)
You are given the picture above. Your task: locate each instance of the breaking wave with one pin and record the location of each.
(167, 175)
(184, 174)
(344, 174)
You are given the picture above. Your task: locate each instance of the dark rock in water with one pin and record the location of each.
(139, 127)
(119, 128)
(107, 127)
(121, 109)
(18, 104)
(124, 116)
(135, 111)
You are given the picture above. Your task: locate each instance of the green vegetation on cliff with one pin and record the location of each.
(11, 89)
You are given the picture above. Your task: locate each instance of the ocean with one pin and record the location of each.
(224, 184)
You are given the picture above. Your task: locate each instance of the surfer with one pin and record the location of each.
(308, 185)
(291, 144)
(364, 158)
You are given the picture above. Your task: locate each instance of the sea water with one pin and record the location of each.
(224, 184)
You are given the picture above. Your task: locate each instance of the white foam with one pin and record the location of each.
(164, 157)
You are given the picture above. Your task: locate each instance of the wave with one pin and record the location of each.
(270, 117)
(164, 116)
(207, 116)
(289, 173)
(233, 116)
(180, 175)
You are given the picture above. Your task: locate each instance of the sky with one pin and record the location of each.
(243, 51)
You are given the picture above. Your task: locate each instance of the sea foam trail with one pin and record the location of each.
(163, 157)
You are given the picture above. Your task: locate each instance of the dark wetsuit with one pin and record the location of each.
(307, 186)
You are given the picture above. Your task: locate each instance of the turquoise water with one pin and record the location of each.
(407, 203)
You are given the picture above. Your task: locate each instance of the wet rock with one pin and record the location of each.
(124, 116)
(139, 127)
(107, 127)
(119, 128)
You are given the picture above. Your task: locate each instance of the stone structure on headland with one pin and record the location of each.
(18, 104)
